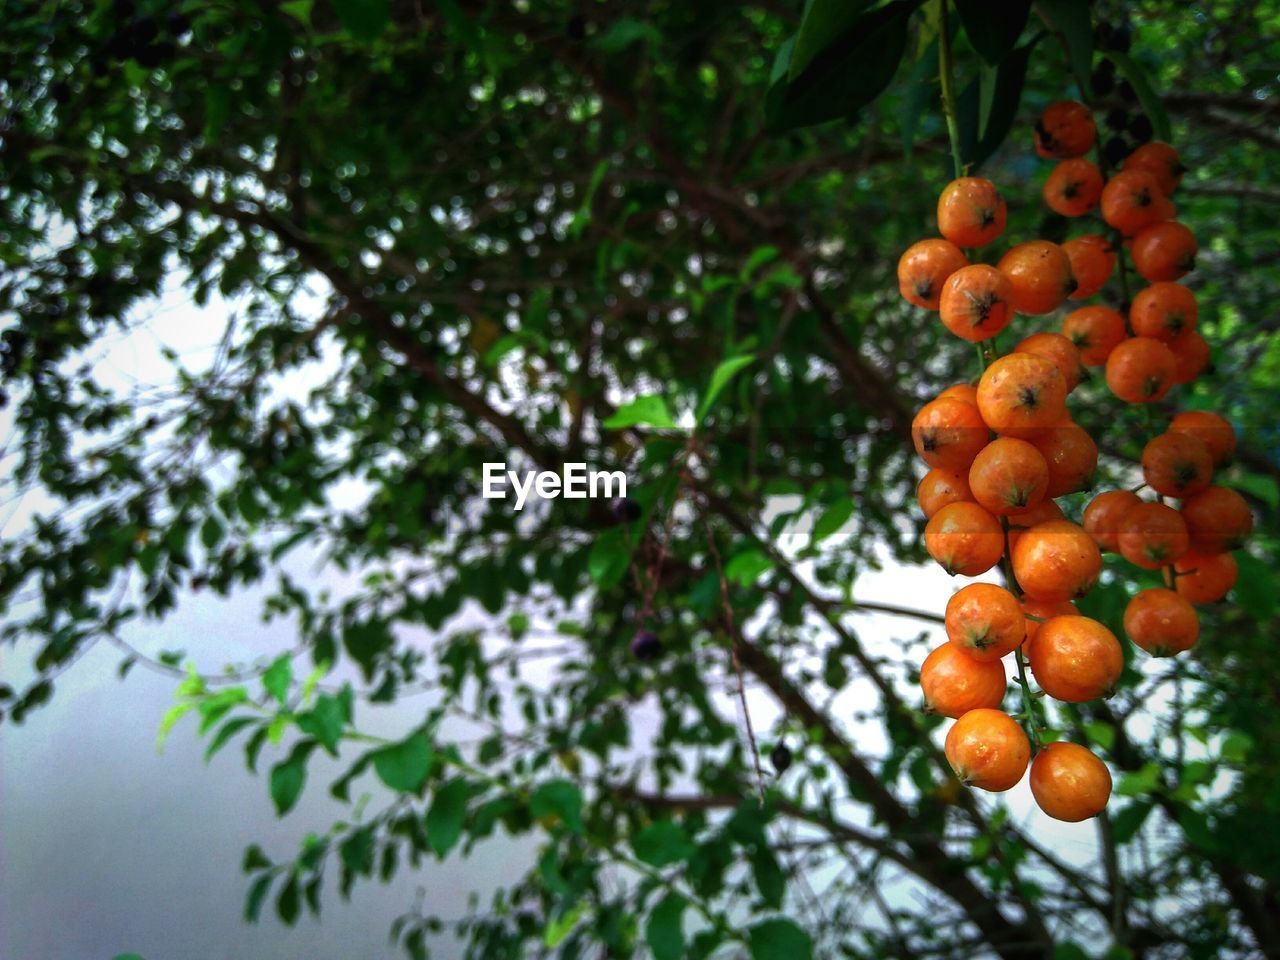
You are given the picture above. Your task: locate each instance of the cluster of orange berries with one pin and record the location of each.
(1001, 452)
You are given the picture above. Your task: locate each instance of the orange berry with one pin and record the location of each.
(1076, 659)
(923, 269)
(1008, 475)
(1176, 464)
(985, 620)
(1019, 523)
(1161, 161)
(1092, 260)
(1021, 394)
(948, 433)
(1163, 311)
(1056, 560)
(955, 683)
(1153, 535)
(1161, 622)
(1215, 430)
(1164, 251)
(1205, 577)
(971, 212)
(1104, 515)
(1040, 273)
(940, 487)
(1141, 370)
(1059, 351)
(1069, 783)
(1094, 331)
(1043, 610)
(1065, 129)
(988, 750)
(1072, 458)
(1192, 354)
(964, 539)
(1218, 520)
(961, 391)
(1073, 188)
(1132, 201)
(976, 303)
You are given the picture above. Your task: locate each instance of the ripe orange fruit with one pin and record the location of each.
(955, 683)
(1161, 161)
(923, 269)
(1059, 351)
(1164, 251)
(1021, 394)
(1215, 430)
(1022, 521)
(1094, 331)
(1141, 370)
(1177, 464)
(985, 621)
(1104, 515)
(1163, 311)
(961, 391)
(964, 539)
(1072, 458)
(1132, 201)
(948, 433)
(1056, 560)
(1076, 659)
(1205, 577)
(1069, 782)
(1065, 129)
(1040, 273)
(1218, 520)
(1043, 611)
(976, 302)
(1162, 622)
(988, 750)
(1092, 260)
(971, 212)
(1191, 352)
(1073, 188)
(1153, 535)
(1008, 475)
(940, 487)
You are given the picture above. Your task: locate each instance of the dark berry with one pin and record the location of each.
(1126, 92)
(60, 91)
(1122, 38)
(1140, 129)
(781, 758)
(1115, 150)
(626, 510)
(144, 30)
(1117, 118)
(1102, 82)
(155, 54)
(177, 23)
(645, 645)
(1102, 35)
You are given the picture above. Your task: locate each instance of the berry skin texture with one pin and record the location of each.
(1041, 276)
(1215, 430)
(1059, 351)
(955, 683)
(971, 212)
(988, 750)
(1021, 394)
(1045, 611)
(948, 433)
(1092, 260)
(1218, 520)
(1073, 188)
(1177, 464)
(1163, 310)
(1205, 577)
(939, 488)
(1008, 475)
(976, 302)
(1069, 783)
(1164, 252)
(1161, 622)
(1153, 535)
(1132, 201)
(1192, 354)
(1095, 331)
(1071, 456)
(1076, 659)
(1065, 130)
(780, 757)
(924, 268)
(1105, 514)
(1161, 161)
(1056, 560)
(985, 621)
(1141, 370)
(645, 646)
(961, 391)
(1019, 523)
(964, 539)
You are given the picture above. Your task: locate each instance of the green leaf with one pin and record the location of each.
(1071, 21)
(1103, 734)
(823, 22)
(1236, 747)
(447, 814)
(649, 410)
(279, 676)
(325, 722)
(664, 930)
(288, 902)
(1139, 782)
(257, 895)
(289, 776)
(832, 519)
(779, 939)
(662, 843)
(1255, 588)
(170, 720)
(759, 257)
(609, 558)
(560, 799)
(720, 377)
(986, 115)
(1152, 105)
(770, 880)
(1128, 820)
(560, 927)
(1263, 487)
(225, 733)
(746, 567)
(625, 31)
(917, 90)
(403, 766)
(300, 10)
(364, 19)
(993, 26)
(254, 859)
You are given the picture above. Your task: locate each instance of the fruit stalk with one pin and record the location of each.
(946, 78)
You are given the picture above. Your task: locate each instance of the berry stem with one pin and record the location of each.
(946, 77)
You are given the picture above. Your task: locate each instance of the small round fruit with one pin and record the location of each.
(1069, 783)
(780, 757)
(1076, 659)
(948, 434)
(924, 268)
(1163, 311)
(971, 212)
(1205, 577)
(1094, 331)
(1218, 520)
(1037, 612)
(1161, 622)
(1215, 430)
(988, 750)
(1008, 475)
(1056, 560)
(976, 302)
(1072, 458)
(955, 683)
(1164, 251)
(1132, 201)
(1153, 535)
(964, 539)
(1177, 464)
(1092, 260)
(1065, 130)
(1020, 394)
(1191, 352)
(1040, 273)
(1105, 514)
(985, 621)
(939, 488)
(961, 391)
(1073, 188)
(1059, 351)
(1161, 161)
(1022, 521)
(1141, 370)
(646, 646)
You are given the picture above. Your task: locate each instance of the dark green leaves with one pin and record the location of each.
(662, 843)
(446, 816)
(989, 106)
(1070, 20)
(1152, 105)
(364, 19)
(650, 410)
(664, 931)
(779, 939)
(403, 766)
(993, 26)
(559, 800)
(289, 777)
